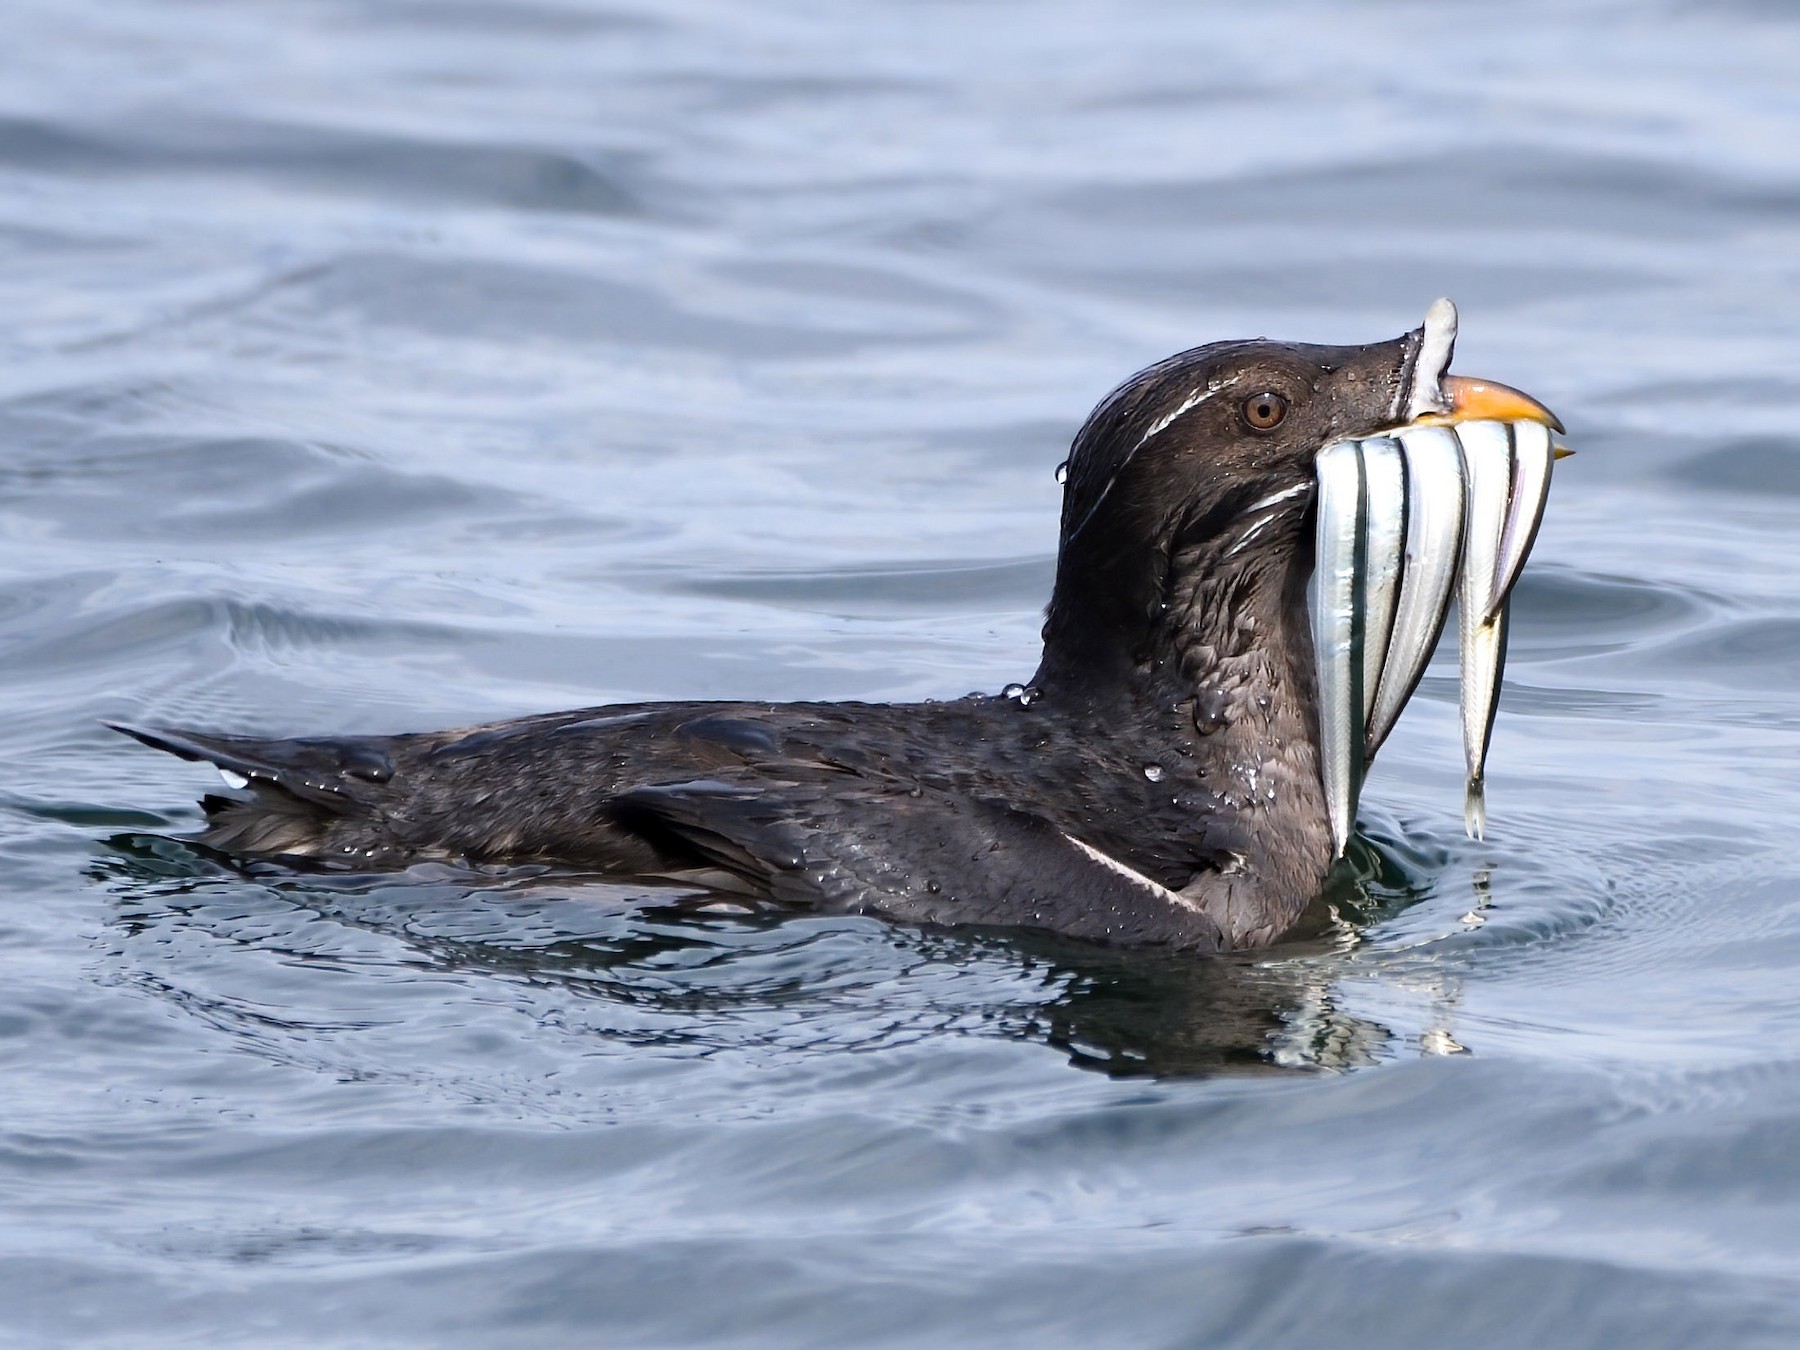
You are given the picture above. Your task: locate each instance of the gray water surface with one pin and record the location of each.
(384, 366)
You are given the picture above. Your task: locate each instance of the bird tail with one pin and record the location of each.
(285, 793)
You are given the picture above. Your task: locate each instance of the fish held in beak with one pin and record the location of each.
(1338, 610)
(1449, 502)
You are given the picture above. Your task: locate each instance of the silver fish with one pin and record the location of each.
(1533, 458)
(1337, 631)
(1433, 548)
(1383, 539)
(1481, 625)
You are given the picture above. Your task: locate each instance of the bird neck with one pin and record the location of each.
(1204, 617)
(1202, 657)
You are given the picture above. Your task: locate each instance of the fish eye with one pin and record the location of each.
(1264, 411)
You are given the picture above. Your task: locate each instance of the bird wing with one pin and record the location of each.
(918, 855)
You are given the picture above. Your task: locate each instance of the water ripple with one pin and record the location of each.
(385, 366)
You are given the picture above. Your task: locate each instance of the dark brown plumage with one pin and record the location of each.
(1157, 782)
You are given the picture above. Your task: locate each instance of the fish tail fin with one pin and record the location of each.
(1475, 808)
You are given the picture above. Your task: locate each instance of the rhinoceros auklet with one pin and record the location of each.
(1181, 770)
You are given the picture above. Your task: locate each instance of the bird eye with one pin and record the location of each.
(1264, 411)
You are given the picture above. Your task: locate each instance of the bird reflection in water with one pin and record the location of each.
(681, 971)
